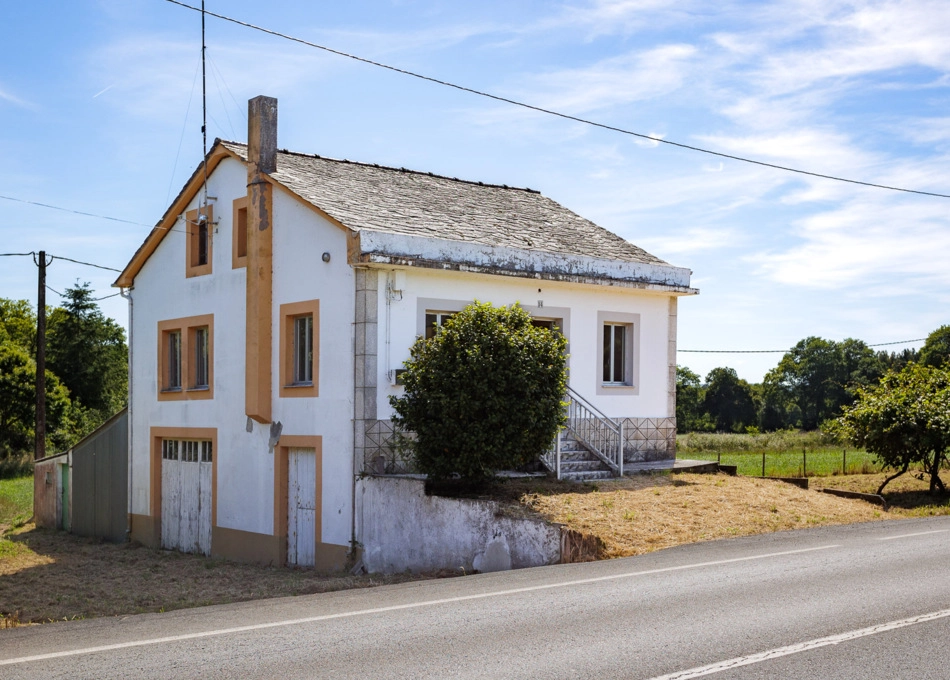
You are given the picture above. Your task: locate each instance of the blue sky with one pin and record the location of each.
(100, 111)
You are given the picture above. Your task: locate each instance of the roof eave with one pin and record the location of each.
(372, 248)
(191, 188)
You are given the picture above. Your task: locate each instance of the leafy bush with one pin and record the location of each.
(485, 394)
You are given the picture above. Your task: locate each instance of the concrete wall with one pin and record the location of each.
(400, 528)
(245, 469)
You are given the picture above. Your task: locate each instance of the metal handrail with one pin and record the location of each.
(597, 432)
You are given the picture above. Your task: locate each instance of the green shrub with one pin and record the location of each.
(484, 394)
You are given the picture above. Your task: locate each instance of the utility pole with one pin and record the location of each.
(40, 428)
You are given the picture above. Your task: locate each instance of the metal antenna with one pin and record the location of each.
(204, 111)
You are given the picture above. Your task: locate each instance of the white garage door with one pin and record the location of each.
(301, 506)
(186, 495)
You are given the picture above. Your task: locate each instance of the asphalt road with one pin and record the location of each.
(864, 601)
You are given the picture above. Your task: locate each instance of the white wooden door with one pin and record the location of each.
(301, 506)
(186, 496)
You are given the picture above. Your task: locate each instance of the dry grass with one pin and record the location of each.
(53, 576)
(908, 495)
(642, 514)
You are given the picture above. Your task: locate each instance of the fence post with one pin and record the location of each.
(557, 448)
(763, 462)
(804, 463)
(620, 446)
(844, 461)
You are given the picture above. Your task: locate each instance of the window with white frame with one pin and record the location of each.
(434, 320)
(615, 354)
(618, 353)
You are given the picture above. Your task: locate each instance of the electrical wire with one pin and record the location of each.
(76, 212)
(782, 351)
(32, 252)
(549, 112)
(88, 264)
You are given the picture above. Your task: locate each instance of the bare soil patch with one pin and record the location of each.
(53, 576)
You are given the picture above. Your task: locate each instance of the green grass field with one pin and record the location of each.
(16, 500)
(815, 463)
(786, 453)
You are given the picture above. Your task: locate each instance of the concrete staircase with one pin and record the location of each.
(578, 464)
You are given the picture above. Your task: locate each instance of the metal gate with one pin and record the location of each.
(301, 506)
(186, 495)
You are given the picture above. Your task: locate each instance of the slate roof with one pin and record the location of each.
(400, 201)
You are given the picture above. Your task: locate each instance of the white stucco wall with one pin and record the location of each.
(245, 464)
(578, 303)
(401, 528)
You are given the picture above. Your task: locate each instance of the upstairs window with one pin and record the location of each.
(173, 361)
(186, 358)
(303, 350)
(300, 349)
(200, 374)
(239, 233)
(198, 242)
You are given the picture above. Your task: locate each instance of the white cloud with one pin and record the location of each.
(621, 79)
(13, 99)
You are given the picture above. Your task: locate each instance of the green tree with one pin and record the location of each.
(820, 376)
(88, 352)
(484, 394)
(689, 402)
(936, 349)
(18, 402)
(904, 420)
(728, 400)
(18, 324)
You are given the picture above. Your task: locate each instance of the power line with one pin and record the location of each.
(782, 351)
(32, 252)
(75, 212)
(88, 264)
(550, 112)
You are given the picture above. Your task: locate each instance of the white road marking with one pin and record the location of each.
(919, 533)
(801, 647)
(397, 607)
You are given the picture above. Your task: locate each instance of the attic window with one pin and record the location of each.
(239, 233)
(198, 242)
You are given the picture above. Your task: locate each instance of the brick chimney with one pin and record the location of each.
(261, 161)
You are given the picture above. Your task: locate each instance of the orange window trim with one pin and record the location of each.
(281, 472)
(187, 326)
(156, 435)
(239, 233)
(192, 268)
(288, 313)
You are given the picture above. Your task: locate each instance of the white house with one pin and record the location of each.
(267, 328)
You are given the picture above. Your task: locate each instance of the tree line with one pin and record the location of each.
(86, 371)
(811, 385)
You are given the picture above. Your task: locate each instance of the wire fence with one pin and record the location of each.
(821, 462)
